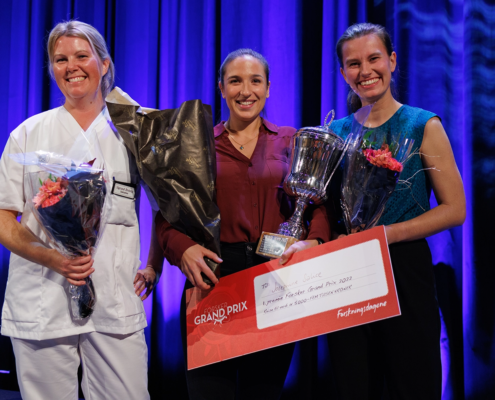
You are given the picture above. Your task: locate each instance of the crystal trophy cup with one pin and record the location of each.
(316, 153)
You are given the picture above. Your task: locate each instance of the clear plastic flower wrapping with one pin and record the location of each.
(66, 196)
(372, 169)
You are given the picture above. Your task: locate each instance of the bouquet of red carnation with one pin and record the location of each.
(67, 201)
(51, 191)
(383, 158)
(370, 177)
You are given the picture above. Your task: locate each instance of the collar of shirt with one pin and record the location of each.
(220, 128)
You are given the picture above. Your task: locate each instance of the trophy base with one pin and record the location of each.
(272, 245)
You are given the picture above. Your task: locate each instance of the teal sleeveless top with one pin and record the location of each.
(408, 200)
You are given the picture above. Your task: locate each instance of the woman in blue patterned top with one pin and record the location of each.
(402, 352)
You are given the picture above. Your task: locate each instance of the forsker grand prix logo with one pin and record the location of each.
(219, 313)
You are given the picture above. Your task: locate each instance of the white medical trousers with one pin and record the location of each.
(114, 367)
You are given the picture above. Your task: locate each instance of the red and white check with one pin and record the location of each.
(334, 286)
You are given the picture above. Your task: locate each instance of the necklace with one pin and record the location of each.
(242, 145)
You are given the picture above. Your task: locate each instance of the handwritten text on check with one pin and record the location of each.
(329, 282)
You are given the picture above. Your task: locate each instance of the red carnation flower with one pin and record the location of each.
(383, 158)
(50, 192)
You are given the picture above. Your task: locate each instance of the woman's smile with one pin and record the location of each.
(367, 68)
(245, 88)
(246, 104)
(77, 70)
(369, 83)
(76, 79)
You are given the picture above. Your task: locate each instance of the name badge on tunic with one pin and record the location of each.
(122, 189)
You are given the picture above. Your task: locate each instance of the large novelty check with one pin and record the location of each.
(330, 287)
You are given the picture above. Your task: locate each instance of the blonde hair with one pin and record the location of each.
(96, 41)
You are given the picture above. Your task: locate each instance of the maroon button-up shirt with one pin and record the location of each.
(250, 193)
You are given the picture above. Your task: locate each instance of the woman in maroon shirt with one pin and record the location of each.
(252, 161)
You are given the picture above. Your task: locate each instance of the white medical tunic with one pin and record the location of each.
(37, 299)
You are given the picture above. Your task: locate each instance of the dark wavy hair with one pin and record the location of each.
(354, 32)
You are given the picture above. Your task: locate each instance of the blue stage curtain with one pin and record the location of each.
(169, 51)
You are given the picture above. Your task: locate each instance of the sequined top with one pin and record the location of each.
(408, 200)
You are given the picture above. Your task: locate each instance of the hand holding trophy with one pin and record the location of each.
(316, 154)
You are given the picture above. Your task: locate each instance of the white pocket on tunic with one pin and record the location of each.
(120, 207)
(23, 300)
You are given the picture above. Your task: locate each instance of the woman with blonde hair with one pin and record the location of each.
(49, 344)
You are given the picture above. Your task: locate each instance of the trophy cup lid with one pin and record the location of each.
(322, 132)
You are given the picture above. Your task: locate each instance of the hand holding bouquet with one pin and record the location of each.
(67, 201)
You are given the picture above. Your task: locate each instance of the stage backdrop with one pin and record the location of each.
(167, 52)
